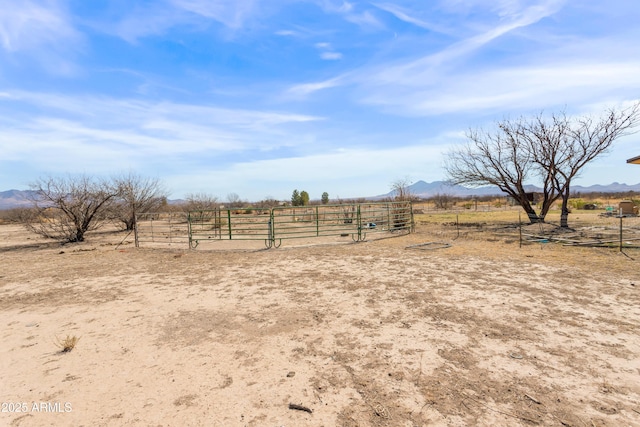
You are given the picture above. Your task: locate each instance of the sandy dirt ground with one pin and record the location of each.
(359, 334)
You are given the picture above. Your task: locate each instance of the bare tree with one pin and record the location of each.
(201, 202)
(68, 207)
(501, 158)
(268, 202)
(564, 145)
(136, 194)
(401, 190)
(552, 149)
(234, 200)
(442, 200)
(201, 206)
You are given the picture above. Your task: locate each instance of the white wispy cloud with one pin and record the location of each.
(326, 51)
(143, 22)
(400, 81)
(366, 20)
(335, 6)
(74, 130)
(406, 16)
(42, 30)
(159, 18)
(304, 89)
(331, 56)
(232, 14)
(530, 88)
(422, 70)
(286, 33)
(28, 25)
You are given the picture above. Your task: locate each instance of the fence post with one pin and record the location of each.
(621, 232)
(189, 231)
(272, 226)
(135, 232)
(413, 222)
(229, 222)
(520, 227)
(359, 222)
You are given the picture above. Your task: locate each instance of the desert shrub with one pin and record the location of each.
(15, 215)
(577, 203)
(442, 201)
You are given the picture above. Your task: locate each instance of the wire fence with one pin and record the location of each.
(594, 228)
(242, 228)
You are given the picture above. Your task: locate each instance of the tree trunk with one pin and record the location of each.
(534, 218)
(79, 237)
(531, 213)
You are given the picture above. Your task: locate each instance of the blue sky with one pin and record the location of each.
(259, 97)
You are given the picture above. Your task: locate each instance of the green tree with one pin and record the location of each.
(325, 198)
(295, 198)
(304, 198)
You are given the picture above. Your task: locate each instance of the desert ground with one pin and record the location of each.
(378, 333)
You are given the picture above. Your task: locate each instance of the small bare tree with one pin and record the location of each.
(400, 189)
(200, 202)
(201, 206)
(442, 200)
(136, 194)
(402, 203)
(234, 200)
(68, 207)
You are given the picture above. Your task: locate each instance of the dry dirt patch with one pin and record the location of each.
(367, 334)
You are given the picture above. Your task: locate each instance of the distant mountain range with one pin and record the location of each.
(22, 198)
(429, 189)
(15, 198)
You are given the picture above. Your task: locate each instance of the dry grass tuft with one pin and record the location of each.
(67, 344)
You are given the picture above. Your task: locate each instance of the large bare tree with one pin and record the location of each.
(565, 145)
(552, 149)
(69, 206)
(502, 158)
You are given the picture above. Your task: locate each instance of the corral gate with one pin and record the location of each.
(162, 228)
(277, 224)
